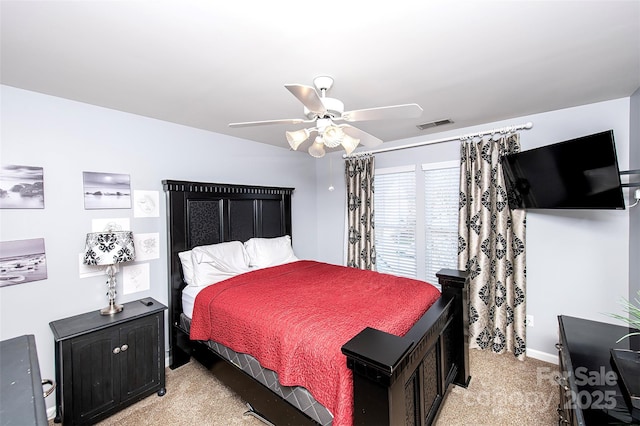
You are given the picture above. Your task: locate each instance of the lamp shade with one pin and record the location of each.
(349, 143)
(333, 136)
(109, 248)
(297, 137)
(317, 148)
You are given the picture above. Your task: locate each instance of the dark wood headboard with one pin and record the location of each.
(208, 213)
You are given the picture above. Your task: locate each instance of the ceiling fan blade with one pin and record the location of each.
(366, 139)
(260, 123)
(308, 96)
(383, 113)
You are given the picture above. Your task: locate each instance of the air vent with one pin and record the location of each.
(436, 123)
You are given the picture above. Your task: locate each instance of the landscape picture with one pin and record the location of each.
(21, 187)
(22, 261)
(106, 191)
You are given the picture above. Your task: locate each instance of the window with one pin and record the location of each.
(395, 221)
(441, 193)
(407, 244)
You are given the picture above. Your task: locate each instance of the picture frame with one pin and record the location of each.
(106, 190)
(21, 187)
(22, 261)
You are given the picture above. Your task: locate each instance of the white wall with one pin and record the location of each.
(67, 138)
(577, 260)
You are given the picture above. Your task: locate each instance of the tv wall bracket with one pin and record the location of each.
(631, 184)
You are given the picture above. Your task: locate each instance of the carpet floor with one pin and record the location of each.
(502, 391)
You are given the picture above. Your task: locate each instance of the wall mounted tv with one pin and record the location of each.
(579, 173)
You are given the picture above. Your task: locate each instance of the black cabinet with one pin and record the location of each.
(590, 389)
(105, 363)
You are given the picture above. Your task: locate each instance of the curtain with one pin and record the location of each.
(361, 251)
(491, 247)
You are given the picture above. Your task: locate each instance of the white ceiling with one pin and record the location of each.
(205, 64)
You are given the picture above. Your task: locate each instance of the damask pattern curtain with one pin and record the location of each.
(361, 251)
(491, 247)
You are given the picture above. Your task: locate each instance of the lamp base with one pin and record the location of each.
(111, 309)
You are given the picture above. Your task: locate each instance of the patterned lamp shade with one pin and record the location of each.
(109, 248)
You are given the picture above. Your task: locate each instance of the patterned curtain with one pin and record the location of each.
(361, 252)
(491, 247)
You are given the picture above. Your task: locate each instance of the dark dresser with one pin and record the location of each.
(591, 392)
(105, 363)
(21, 394)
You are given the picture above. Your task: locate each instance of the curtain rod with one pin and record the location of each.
(507, 129)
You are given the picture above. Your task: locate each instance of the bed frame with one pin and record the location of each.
(397, 380)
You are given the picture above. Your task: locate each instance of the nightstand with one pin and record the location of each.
(105, 363)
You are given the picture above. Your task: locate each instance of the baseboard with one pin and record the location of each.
(543, 356)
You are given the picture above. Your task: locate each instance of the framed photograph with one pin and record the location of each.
(106, 191)
(22, 261)
(21, 187)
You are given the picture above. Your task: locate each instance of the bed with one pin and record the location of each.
(396, 379)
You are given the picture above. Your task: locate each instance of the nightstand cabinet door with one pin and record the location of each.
(93, 380)
(138, 357)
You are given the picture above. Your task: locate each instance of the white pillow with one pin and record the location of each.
(187, 266)
(217, 262)
(264, 252)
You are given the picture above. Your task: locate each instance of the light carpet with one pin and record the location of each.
(502, 391)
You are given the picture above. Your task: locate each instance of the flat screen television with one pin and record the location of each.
(580, 173)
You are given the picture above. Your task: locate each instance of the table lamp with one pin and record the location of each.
(108, 248)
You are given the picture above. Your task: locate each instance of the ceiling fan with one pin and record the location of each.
(324, 111)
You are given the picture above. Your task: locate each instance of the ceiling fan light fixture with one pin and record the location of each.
(296, 137)
(317, 148)
(324, 111)
(349, 143)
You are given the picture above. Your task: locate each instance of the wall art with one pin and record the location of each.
(22, 261)
(114, 224)
(86, 271)
(135, 278)
(21, 187)
(106, 191)
(146, 204)
(147, 246)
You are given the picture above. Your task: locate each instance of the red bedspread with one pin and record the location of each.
(294, 318)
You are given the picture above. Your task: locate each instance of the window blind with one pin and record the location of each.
(395, 223)
(441, 188)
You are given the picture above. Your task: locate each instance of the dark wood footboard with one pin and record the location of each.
(403, 380)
